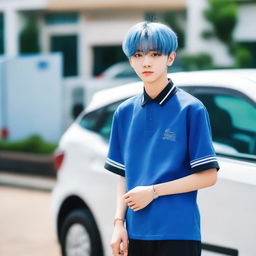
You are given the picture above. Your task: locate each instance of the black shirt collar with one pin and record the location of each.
(162, 97)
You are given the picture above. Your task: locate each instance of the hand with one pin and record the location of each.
(139, 197)
(119, 241)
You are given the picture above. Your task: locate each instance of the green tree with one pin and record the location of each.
(1, 33)
(29, 36)
(222, 14)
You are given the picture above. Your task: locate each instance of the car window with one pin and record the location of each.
(104, 127)
(89, 120)
(233, 123)
(242, 112)
(100, 121)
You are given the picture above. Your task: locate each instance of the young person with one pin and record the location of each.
(161, 147)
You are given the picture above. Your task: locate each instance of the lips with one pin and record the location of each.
(147, 72)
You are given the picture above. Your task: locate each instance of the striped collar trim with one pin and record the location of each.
(162, 97)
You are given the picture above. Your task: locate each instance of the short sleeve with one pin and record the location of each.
(201, 152)
(114, 161)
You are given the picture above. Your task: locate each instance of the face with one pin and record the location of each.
(152, 66)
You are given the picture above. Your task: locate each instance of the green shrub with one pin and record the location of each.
(198, 61)
(243, 57)
(33, 144)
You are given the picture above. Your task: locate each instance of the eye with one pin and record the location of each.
(137, 54)
(156, 54)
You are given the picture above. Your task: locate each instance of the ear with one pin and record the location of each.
(171, 58)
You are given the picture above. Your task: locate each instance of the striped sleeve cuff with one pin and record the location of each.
(115, 167)
(204, 163)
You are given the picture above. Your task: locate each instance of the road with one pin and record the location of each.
(26, 227)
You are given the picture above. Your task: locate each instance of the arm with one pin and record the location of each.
(121, 206)
(119, 241)
(189, 183)
(141, 196)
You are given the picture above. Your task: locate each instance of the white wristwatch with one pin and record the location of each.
(155, 195)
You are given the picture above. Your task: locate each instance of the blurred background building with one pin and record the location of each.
(89, 33)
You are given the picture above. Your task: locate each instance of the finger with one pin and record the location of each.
(126, 253)
(136, 208)
(121, 248)
(129, 200)
(125, 196)
(115, 249)
(128, 195)
(125, 247)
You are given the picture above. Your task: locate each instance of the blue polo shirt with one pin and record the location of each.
(158, 140)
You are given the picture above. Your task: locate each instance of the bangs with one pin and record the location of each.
(147, 37)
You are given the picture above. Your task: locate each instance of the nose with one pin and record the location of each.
(146, 61)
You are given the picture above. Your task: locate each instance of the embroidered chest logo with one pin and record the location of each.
(169, 135)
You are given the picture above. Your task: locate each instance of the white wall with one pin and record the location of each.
(245, 29)
(23, 4)
(109, 27)
(33, 97)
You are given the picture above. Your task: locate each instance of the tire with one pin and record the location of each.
(79, 235)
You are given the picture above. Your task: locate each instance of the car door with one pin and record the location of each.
(228, 209)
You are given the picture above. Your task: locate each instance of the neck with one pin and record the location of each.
(154, 88)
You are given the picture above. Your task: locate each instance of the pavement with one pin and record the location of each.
(29, 232)
(27, 224)
(27, 181)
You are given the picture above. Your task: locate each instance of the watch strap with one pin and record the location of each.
(155, 195)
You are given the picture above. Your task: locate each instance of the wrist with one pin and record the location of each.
(119, 221)
(119, 225)
(155, 194)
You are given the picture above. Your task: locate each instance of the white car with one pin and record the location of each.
(84, 198)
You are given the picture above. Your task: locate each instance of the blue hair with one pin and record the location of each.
(149, 36)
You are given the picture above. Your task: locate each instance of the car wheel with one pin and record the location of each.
(79, 235)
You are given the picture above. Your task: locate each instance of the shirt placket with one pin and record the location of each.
(149, 118)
